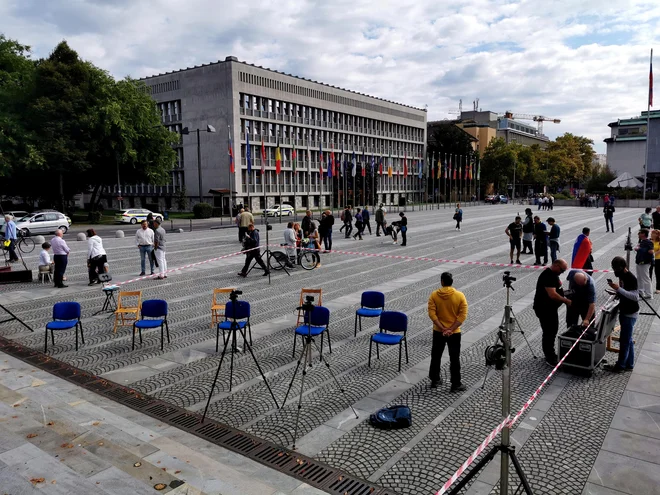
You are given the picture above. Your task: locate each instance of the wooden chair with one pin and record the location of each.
(218, 305)
(126, 313)
(318, 301)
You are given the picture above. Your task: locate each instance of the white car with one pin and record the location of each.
(43, 222)
(286, 210)
(136, 215)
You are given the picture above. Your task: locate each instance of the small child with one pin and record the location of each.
(44, 257)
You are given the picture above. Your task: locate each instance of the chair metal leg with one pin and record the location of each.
(405, 342)
(167, 330)
(140, 334)
(295, 341)
(400, 346)
(46, 343)
(321, 350)
(249, 330)
(52, 337)
(360, 323)
(329, 344)
(370, 343)
(377, 351)
(217, 337)
(81, 332)
(162, 337)
(355, 326)
(133, 348)
(76, 327)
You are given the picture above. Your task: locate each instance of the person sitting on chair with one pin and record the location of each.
(44, 258)
(251, 241)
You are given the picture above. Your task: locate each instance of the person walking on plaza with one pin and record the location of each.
(251, 241)
(61, 256)
(347, 218)
(96, 256)
(553, 238)
(608, 213)
(628, 294)
(655, 217)
(403, 227)
(646, 220)
(540, 241)
(11, 235)
(380, 220)
(366, 219)
(548, 298)
(458, 216)
(514, 231)
(448, 310)
(290, 243)
(144, 238)
(245, 219)
(528, 232)
(643, 259)
(582, 258)
(359, 224)
(159, 249)
(44, 258)
(326, 223)
(582, 290)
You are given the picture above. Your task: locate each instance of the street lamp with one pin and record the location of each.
(185, 130)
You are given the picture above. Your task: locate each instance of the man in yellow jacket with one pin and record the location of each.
(448, 309)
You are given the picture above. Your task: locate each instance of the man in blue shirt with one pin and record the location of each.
(553, 238)
(582, 293)
(10, 235)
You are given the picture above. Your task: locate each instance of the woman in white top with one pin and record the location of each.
(96, 256)
(44, 257)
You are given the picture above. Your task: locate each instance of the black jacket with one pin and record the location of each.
(306, 224)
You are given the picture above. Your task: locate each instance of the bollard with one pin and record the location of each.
(171, 224)
(119, 234)
(81, 237)
(191, 225)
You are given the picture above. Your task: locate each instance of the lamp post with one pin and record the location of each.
(185, 130)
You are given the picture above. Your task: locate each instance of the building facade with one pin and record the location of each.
(244, 103)
(626, 146)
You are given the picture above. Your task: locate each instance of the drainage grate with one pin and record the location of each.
(303, 468)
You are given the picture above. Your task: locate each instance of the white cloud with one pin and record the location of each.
(586, 62)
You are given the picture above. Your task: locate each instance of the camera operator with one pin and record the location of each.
(250, 241)
(582, 293)
(547, 301)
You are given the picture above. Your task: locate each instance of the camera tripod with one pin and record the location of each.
(234, 329)
(306, 360)
(14, 318)
(507, 451)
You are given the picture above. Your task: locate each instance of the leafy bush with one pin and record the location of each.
(95, 216)
(563, 195)
(202, 210)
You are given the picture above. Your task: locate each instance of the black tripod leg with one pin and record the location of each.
(519, 471)
(327, 365)
(475, 470)
(215, 380)
(233, 351)
(302, 354)
(14, 317)
(249, 347)
(523, 333)
(307, 350)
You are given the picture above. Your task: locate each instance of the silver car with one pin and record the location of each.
(46, 222)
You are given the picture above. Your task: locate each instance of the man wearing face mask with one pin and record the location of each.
(548, 299)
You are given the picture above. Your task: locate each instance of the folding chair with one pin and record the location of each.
(320, 321)
(318, 302)
(396, 323)
(218, 306)
(125, 315)
(372, 305)
(157, 309)
(239, 316)
(66, 315)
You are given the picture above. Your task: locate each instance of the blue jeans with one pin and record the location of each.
(327, 240)
(146, 251)
(609, 224)
(553, 251)
(626, 346)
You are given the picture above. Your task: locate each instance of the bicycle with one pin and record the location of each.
(306, 258)
(25, 243)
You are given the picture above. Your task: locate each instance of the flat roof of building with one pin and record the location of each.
(234, 59)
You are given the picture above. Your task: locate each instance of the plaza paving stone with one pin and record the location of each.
(559, 440)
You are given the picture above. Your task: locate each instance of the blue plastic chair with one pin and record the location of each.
(396, 323)
(320, 321)
(66, 315)
(156, 309)
(240, 316)
(373, 304)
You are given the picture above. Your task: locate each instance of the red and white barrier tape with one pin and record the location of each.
(437, 260)
(184, 267)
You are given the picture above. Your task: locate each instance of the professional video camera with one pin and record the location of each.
(508, 279)
(308, 305)
(233, 295)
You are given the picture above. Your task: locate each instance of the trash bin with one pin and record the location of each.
(402, 201)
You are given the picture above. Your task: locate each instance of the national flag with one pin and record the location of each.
(294, 157)
(278, 158)
(651, 81)
(364, 164)
(453, 170)
(331, 165)
(581, 251)
(354, 163)
(380, 166)
(248, 155)
(389, 165)
(471, 170)
(420, 167)
(433, 166)
(263, 157)
(405, 164)
(479, 171)
(231, 157)
(373, 164)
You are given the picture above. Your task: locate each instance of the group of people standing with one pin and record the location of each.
(151, 240)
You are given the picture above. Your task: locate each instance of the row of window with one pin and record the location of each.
(302, 157)
(270, 178)
(271, 108)
(163, 87)
(322, 95)
(169, 110)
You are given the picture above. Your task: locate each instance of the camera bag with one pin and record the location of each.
(392, 418)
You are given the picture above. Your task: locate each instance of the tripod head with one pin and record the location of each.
(233, 295)
(308, 305)
(508, 279)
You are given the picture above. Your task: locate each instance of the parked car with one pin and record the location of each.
(503, 199)
(287, 210)
(15, 214)
(491, 198)
(136, 215)
(43, 222)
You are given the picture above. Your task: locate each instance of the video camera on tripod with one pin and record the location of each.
(233, 295)
(308, 305)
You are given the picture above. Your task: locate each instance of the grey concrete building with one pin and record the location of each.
(242, 101)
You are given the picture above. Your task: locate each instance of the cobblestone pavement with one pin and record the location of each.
(447, 427)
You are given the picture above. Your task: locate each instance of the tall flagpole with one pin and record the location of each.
(648, 123)
(229, 169)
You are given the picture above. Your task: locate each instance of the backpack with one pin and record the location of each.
(392, 418)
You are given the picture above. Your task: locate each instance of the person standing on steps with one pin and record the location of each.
(245, 220)
(159, 249)
(327, 222)
(380, 220)
(61, 256)
(348, 222)
(306, 223)
(643, 260)
(365, 219)
(514, 231)
(540, 241)
(448, 310)
(608, 212)
(458, 216)
(403, 227)
(11, 236)
(144, 238)
(553, 238)
(528, 232)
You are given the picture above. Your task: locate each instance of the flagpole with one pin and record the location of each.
(648, 123)
(229, 169)
(248, 171)
(295, 184)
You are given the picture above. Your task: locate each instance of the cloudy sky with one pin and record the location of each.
(583, 61)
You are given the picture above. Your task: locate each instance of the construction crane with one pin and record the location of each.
(536, 118)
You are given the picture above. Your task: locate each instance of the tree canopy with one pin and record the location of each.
(67, 126)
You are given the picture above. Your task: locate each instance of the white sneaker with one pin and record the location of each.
(394, 242)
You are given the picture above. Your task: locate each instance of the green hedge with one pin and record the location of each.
(202, 210)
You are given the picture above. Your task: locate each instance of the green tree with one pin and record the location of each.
(497, 163)
(449, 140)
